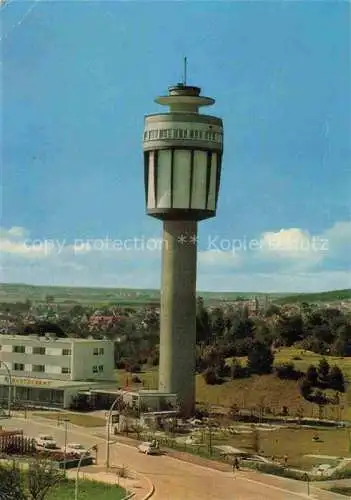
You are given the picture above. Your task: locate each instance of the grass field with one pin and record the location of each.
(74, 418)
(267, 390)
(87, 491)
(342, 490)
(310, 358)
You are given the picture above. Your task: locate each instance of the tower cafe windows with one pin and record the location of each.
(183, 133)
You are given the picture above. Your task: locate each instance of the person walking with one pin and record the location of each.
(236, 464)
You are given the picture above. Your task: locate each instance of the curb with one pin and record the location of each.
(145, 478)
(151, 491)
(129, 495)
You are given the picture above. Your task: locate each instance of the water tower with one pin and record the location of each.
(182, 163)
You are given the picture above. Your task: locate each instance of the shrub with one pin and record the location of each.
(153, 360)
(287, 371)
(306, 389)
(336, 379)
(211, 377)
(238, 371)
(260, 358)
(312, 375)
(121, 364)
(134, 368)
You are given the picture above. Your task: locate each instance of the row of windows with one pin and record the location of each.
(41, 350)
(178, 133)
(19, 367)
(21, 349)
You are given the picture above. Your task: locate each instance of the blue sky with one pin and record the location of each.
(78, 78)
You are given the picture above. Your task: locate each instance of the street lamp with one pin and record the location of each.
(83, 455)
(182, 168)
(9, 387)
(108, 431)
(65, 423)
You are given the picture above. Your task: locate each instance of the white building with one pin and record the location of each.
(53, 370)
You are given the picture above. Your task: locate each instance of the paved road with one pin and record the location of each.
(177, 480)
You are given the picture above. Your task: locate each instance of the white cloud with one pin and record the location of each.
(17, 232)
(12, 241)
(278, 260)
(218, 258)
(298, 248)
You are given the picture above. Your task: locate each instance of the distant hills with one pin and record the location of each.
(332, 296)
(18, 292)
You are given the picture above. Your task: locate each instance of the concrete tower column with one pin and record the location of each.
(178, 312)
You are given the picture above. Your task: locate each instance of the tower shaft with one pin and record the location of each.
(178, 312)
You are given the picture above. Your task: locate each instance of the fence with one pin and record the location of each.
(16, 444)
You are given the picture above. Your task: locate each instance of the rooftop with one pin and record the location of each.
(50, 338)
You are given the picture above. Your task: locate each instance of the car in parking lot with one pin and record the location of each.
(77, 450)
(46, 441)
(148, 448)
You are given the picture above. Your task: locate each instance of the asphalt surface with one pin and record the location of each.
(175, 479)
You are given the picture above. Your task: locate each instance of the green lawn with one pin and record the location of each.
(311, 358)
(341, 490)
(74, 418)
(87, 491)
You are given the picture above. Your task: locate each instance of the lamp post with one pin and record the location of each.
(83, 455)
(108, 431)
(65, 423)
(9, 387)
(182, 167)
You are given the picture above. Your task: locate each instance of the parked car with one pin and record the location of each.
(46, 441)
(77, 449)
(148, 448)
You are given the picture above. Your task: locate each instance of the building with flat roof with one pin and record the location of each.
(52, 371)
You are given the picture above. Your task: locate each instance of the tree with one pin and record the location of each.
(32, 484)
(336, 379)
(263, 333)
(272, 310)
(217, 322)
(323, 371)
(312, 375)
(342, 344)
(306, 389)
(290, 329)
(242, 329)
(260, 358)
(203, 331)
(41, 477)
(11, 487)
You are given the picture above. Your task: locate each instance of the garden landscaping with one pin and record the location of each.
(87, 491)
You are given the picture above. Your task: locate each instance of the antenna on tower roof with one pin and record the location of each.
(185, 68)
